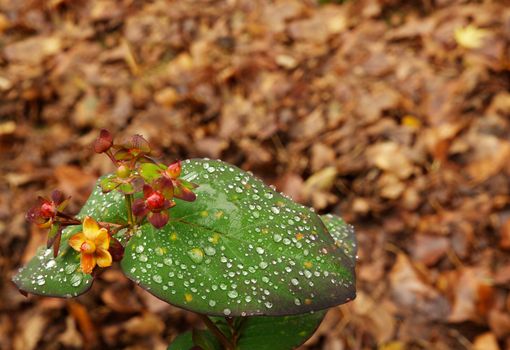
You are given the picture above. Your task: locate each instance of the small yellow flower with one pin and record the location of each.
(93, 244)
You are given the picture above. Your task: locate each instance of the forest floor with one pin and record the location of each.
(392, 114)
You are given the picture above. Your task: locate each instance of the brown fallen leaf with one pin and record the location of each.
(504, 232)
(429, 249)
(413, 293)
(390, 156)
(486, 341)
(31, 327)
(82, 318)
(376, 317)
(33, 50)
(475, 298)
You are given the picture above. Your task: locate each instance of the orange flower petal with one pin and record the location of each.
(104, 258)
(90, 228)
(76, 241)
(87, 262)
(102, 239)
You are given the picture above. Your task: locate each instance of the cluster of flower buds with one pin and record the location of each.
(125, 155)
(136, 171)
(48, 213)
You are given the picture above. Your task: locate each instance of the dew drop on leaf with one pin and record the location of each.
(209, 250)
(196, 255)
(157, 278)
(76, 280)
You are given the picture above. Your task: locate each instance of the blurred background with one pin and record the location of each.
(393, 114)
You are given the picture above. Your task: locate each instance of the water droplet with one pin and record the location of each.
(232, 294)
(260, 250)
(196, 255)
(268, 304)
(294, 281)
(297, 301)
(69, 269)
(159, 251)
(157, 278)
(168, 261)
(277, 238)
(263, 265)
(212, 303)
(210, 250)
(51, 264)
(143, 258)
(275, 210)
(227, 312)
(139, 249)
(76, 280)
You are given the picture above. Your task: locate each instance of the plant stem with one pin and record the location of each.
(129, 206)
(227, 344)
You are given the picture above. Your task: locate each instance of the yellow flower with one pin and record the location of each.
(93, 244)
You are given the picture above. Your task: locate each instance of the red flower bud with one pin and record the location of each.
(155, 201)
(174, 170)
(103, 142)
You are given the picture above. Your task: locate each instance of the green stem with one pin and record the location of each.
(129, 206)
(217, 333)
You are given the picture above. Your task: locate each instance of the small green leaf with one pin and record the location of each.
(61, 277)
(150, 172)
(126, 188)
(206, 340)
(278, 333)
(182, 342)
(240, 249)
(108, 183)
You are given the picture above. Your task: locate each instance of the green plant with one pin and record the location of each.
(205, 236)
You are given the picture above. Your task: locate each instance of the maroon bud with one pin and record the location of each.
(48, 210)
(155, 201)
(103, 142)
(116, 249)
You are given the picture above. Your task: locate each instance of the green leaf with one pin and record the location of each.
(109, 183)
(126, 188)
(61, 277)
(150, 172)
(257, 332)
(278, 333)
(182, 342)
(343, 234)
(206, 340)
(240, 249)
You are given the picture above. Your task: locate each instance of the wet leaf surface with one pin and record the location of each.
(242, 249)
(62, 276)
